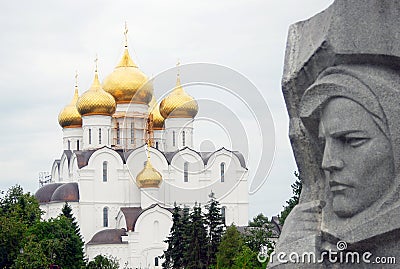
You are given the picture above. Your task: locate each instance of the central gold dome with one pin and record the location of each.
(127, 83)
(149, 177)
(69, 117)
(96, 101)
(178, 104)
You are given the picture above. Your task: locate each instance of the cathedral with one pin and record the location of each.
(126, 160)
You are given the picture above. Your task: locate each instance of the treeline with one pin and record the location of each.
(27, 242)
(199, 240)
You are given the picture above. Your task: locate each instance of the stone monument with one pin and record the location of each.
(341, 85)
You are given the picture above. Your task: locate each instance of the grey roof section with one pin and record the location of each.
(83, 156)
(108, 236)
(68, 154)
(205, 155)
(44, 194)
(68, 192)
(132, 214)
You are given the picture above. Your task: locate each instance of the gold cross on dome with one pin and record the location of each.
(126, 34)
(95, 61)
(76, 78)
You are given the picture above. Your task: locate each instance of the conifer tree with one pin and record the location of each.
(215, 225)
(174, 254)
(229, 248)
(196, 251)
(75, 248)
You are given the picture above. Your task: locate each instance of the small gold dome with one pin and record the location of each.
(96, 101)
(149, 177)
(178, 104)
(127, 83)
(158, 120)
(69, 117)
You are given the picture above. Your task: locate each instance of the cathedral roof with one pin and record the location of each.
(133, 213)
(84, 156)
(69, 117)
(96, 101)
(127, 83)
(43, 195)
(68, 192)
(108, 236)
(178, 104)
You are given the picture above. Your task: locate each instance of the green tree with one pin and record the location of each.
(103, 262)
(247, 259)
(174, 254)
(229, 248)
(54, 239)
(257, 235)
(18, 211)
(215, 225)
(196, 251)
(293, 201)
(75, 249)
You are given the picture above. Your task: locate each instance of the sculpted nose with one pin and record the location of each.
(331, 160)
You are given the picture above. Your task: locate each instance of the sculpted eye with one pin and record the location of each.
(353, 141)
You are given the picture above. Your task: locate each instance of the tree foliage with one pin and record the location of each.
(197, 247)
(18, 211)
(293, 201)
(28, 242)
(229, 248)
(103, 262)
(215, 224)
(194, 236)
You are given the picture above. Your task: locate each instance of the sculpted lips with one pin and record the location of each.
(337, 187)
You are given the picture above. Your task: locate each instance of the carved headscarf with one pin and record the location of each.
(377, 90)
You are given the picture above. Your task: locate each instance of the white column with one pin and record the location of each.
(96, 131)
(72, 138)
(178, 133)
(159, 139)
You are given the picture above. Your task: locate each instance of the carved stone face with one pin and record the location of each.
(357, 157)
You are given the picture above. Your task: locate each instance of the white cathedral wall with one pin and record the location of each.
(91, 125)
(146, 242)
(70, 138)
(64, 173)
(174, 128)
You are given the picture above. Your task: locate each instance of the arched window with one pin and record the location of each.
(118, 134)
(173, 138)
(186, 172)
(156, 144)
(223, 214)
(105, 172)
(77, 144)
(69, 145)
(183, 138)
(99, 135)
(90, 136)
(156, 261)
(105, 217)
(222, 172)
(132, 133)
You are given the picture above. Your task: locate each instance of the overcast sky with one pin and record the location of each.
(44, 42)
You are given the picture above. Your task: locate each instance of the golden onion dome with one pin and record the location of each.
(96, 101)
(178, 104)
(149, 177)
(69, 117)
(127, 83)
(158, 120)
